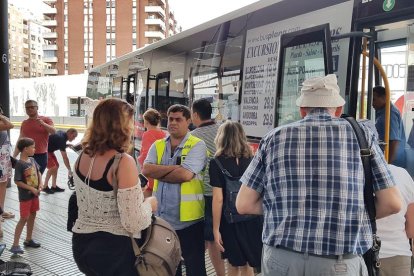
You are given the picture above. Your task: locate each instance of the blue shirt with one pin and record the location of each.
(397, 132)
(57, 141)
(310, 176)
(168, 194)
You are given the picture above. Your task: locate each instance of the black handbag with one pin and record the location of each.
(371, 257)
(72, 212)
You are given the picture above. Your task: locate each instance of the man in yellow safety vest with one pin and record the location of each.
(176, 163)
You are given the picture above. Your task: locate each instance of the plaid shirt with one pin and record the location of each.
(311, 178)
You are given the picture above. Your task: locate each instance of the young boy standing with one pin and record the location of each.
(28, 180)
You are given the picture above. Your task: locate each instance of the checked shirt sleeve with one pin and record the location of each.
(254, 177)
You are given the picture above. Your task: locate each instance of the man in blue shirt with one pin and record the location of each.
(397, 133)
(56, 142)
(177, 163)
(307, 179)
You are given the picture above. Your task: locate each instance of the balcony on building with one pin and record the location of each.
(51, 3)
(170, 32)
(51, 47)
(155, 9)
(50, 35)
(25, 43)
(171, 22)
(49, 23)
(155, 21)
(50, 11)
(50, 72)
(50, 59)
(156, 34)
(161, 2)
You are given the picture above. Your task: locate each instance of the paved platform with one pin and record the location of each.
(54, 257)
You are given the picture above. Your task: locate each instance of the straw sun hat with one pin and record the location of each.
(320, 92)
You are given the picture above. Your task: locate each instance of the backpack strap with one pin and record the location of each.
(115, 167)
(366, 154)
(223, 170)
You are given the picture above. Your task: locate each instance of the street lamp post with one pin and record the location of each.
(4, 58)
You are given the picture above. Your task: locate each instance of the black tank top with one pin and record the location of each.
(101, 184)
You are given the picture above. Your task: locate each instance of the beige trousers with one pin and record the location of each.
(396, 266)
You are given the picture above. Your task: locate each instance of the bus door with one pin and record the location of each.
(138, 91)
(162, 96)
(391, 25)
(393, 51)
(303, 54)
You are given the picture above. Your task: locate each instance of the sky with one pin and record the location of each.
(189, 13)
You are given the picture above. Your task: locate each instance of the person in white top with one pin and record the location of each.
(100, 242)
(395, 230)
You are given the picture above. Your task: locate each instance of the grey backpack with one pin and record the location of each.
(160, 253)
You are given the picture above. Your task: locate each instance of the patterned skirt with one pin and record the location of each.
(5, 164)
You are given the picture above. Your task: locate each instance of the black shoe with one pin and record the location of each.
(57, 189)
(31, 243)
(48, 190)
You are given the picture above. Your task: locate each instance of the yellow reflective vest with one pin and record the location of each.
(192, 192)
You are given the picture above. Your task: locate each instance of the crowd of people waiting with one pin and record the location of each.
(300, 199)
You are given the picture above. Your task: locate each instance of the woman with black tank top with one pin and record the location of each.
(240, 242)
(100, 242)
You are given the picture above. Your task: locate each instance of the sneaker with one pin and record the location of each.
(8, 215)
(31, 243)
(48, 190)
(57, 189)
(16, 249)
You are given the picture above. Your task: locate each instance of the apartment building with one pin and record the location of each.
(87, 33)
(25, 45)
(18, 44)
(37, 64)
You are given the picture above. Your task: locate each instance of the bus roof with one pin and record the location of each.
(194, 30)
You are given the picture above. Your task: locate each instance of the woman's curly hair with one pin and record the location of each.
(111, 127)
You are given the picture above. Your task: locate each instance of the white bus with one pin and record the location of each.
(251, 68)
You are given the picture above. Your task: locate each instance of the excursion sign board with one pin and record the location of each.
(258, 99)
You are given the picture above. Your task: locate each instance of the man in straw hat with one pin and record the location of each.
(307, 179)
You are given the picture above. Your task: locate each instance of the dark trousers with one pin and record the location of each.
(192, 247)
(41, 160)
(104, 254)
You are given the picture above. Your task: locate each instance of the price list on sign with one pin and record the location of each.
(259, 83)
(260, 70)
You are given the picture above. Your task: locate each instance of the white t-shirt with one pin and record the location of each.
(391, 229)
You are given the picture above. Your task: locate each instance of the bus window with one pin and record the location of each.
(304, 54)
(168, 70)
(116, 87)
(140, 93)
(104, 87)
(129, 92)
(124, 89)
(162, 90)
(216, 76)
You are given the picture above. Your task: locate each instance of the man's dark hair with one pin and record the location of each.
(24, 143)
(72, 130)
(180, 108)
(30, 101)
(203, 108)
(379, 90)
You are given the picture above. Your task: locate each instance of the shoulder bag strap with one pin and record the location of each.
(115, 167)
(366, 161)
(223, 170)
